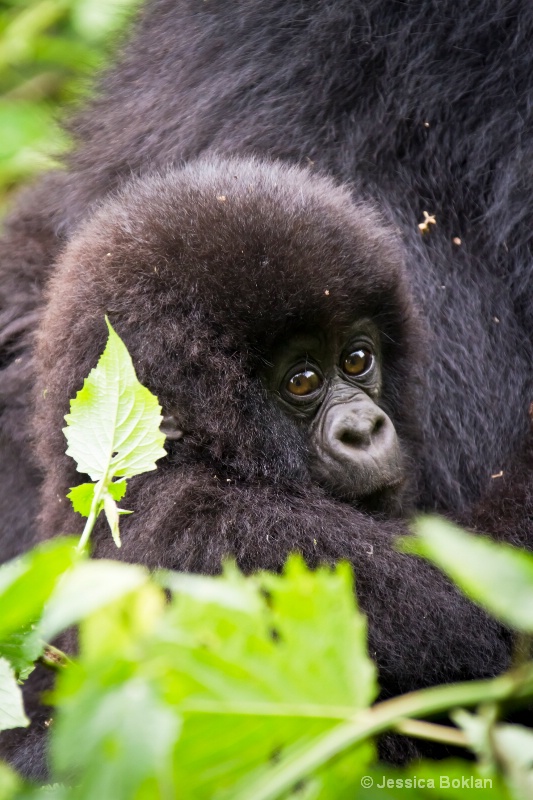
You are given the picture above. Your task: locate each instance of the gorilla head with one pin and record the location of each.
(264, 308)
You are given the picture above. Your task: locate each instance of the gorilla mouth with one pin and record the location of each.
(385, 500)
(369, 495)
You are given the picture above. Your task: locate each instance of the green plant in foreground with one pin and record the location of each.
(249, 688)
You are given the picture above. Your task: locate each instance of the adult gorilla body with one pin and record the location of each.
(422, 107)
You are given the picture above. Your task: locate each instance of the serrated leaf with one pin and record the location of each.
(117, 490)
(497, 576)
(11, 707)
(113, 426)
(262, 674)
(22, 649)
(82, 497)
(239, 672)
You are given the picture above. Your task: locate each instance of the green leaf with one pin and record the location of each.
(82, 497)
(256, 677)
(27, 583)
(117, 490)
(114, 693)
(10, 783)
(339, 779)
(11, 708)
(22, 649)
(113, 426)
(497, 576)
(243, 672)
(25, 586)
(90, 586)
(127, 747)
(231, 592)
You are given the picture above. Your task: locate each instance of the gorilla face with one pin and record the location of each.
(334, 387)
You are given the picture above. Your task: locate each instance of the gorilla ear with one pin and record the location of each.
(169, 427)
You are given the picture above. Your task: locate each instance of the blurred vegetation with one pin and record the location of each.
(49, 49)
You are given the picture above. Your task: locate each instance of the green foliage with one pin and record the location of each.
(27, 583)
(25, 587)
(497, 576)
(48, 48)
(10, 784)
(11, 709)
(234, 687)
(239, 687)
(203, 693)
(112, 432)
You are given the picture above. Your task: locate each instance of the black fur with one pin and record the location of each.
(418, 106)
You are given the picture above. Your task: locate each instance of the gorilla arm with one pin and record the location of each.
(422, 630)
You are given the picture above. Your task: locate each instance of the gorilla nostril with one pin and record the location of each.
(353, 437)
(361, 432)
(378, 425)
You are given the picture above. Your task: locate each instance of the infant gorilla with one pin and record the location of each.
(269, 313)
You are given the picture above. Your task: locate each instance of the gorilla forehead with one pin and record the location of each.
(249, 246)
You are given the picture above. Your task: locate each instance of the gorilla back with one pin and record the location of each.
(420, 107)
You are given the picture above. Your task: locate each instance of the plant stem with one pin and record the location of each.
(380, 718)
(53, 658)
(93, 515)
(429, 730)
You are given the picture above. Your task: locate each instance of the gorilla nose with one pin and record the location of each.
(361, 435)
(356, 449)
(362, 432)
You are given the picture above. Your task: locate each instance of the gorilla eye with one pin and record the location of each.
(304, 383)
(358, 362)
